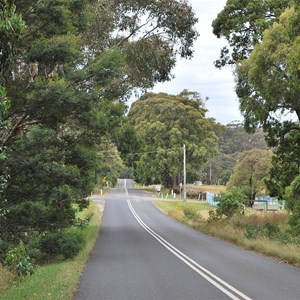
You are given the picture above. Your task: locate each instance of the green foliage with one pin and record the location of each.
(63, 243)
(11, 28)
(163, 123)
(58, 279)
(233, 140)
(263, 95)
(268, 230)
(293, 203)
(251, 171)
(264, 36)
(190, 214)
(18, 260)
(268, 87)
(230, 203)
(242, 23)
(64, 79)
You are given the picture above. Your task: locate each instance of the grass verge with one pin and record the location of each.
(227, 230)
(54, 281)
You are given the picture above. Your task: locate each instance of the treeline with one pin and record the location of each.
(233, 141)
(67, 69)
(264, 51)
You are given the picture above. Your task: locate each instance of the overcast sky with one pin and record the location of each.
(200, 75)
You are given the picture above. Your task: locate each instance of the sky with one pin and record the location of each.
(200, 75)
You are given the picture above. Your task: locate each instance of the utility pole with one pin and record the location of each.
(184, 173)
(209, 173)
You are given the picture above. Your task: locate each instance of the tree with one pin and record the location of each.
(11, 28)
(250, 172)
(72, 70)
(293, 203)
(110, 163)
(268, 90)
(164, 123)
(233, 140)
(268, 82)
(230, 204)
(242, 23)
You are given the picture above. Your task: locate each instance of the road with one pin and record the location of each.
(143, 254)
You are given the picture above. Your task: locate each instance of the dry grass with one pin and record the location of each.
(5, 278)
(262, 218)
(226, 230)
(214, 189)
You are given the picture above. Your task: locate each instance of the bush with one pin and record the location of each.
(271, 230)
(252, 231)
(65, 243)
(18, 260)
(230, 203)
(190, 214)
(267, 230)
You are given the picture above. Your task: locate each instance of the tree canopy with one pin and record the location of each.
(67, 69)
(267, 76)
(233, 140)
(242, 24)
(268, 89)
(268, 82)
(163, 124)
(250, 172)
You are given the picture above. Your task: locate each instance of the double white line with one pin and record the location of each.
(226, 288)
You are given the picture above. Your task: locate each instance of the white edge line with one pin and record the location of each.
(187, 260)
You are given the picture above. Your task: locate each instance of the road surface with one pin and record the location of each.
(143, 254)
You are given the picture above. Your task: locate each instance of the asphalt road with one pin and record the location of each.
(143, 254)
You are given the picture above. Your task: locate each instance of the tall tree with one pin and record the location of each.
(250, 172)
(164, 123)
(242, 24)
(268, 89)
(11, 28)
(76, 64)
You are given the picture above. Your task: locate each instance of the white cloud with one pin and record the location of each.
(199, 73)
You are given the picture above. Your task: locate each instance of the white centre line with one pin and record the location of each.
(226, 288)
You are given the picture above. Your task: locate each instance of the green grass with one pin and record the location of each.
(54, 281)
(229, 231)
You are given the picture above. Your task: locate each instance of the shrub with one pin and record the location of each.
(83, 223)
(271, 230)
(18, 260)
(230, 203)
(65, 243)
(252, 231)
(190, 214)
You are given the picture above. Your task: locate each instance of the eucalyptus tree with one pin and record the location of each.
(268, 88)
(74, 66)
(163, 124)
(250, 172)
(242, 24)
(267, 75)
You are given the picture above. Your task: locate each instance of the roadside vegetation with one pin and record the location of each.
(266, 233)
(56, 279)
(67, 69)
